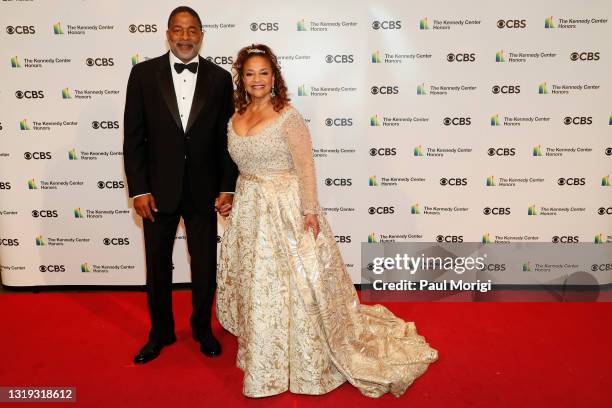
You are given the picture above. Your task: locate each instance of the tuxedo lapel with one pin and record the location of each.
(164, 79)
(201, 94)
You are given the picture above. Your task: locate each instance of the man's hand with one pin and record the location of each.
(223, 203)
(311, 221)
(145, 206)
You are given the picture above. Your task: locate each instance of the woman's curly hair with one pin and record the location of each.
(241, 98)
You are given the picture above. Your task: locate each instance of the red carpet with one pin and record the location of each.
(491, 355)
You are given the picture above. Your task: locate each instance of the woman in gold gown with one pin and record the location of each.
(283, 288)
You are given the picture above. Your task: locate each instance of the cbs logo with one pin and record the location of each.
(339, 59)
(501, 151)
(608, 151)
(5, 185)
(111, 184)
(565, 239)
(29, 94)
(584, 56)
(457, 121)
(143, 28)
(494, 267)
(20, 30)
(344, 182)
(449, 238)
(264, 26)
(52, 268)
(381, 210)
(571, 181)
(384, 90)
(506, 89)
(37, 155)
(453, 181)
(105, 124)
(116, 241)
(496, 211)
(511, 23)
(383, 151)
(601, 267)
(100, 62)
(9, 241)
(339, 122)
(387, 25)
(343, 239)
(221, 60)
(44, 213)
(462, 57)
(604, 211)
(578, 120)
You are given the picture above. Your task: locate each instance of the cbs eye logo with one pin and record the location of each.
(604, 211)
(142, 28)
(511, 23)
(571, 181)
(105, 124)
(565, 239)
(110, 184)
(506, 89)
(37, 155)
(461, 57)
(383, 151)
(100, 62)
(29, 94)
(52, 268)
(339, 122)
(584, 56)
(264, 26)
(20, 30)
(116, 241)
(453, 181)
(339, 59)
(457, 121)
(381, 210)
(387, 25)
(608, 151)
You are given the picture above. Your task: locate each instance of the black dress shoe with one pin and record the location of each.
(209, 346)
(151, 350)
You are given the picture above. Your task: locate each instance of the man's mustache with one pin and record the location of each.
(190, 43)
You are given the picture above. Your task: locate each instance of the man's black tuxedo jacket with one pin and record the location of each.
(156, 150)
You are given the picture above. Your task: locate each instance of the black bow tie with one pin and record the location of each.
(193, 67)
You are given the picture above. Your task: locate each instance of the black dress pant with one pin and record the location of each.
(159, 237)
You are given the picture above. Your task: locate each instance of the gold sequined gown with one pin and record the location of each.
(288, 297)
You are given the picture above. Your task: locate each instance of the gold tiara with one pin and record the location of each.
(255, 50)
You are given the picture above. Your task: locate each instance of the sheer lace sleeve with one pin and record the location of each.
(300, 146)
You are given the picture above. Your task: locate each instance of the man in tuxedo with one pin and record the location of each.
(177, 165)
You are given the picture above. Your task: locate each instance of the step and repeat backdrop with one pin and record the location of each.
(437, 121)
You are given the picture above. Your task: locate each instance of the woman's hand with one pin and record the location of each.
(311, 221)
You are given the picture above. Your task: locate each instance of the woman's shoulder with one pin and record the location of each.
(290, 111)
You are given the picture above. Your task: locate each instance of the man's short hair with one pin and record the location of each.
(184, 9)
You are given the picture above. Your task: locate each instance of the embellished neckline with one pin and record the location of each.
(277, 120)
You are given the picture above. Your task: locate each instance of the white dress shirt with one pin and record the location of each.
(184, 87)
